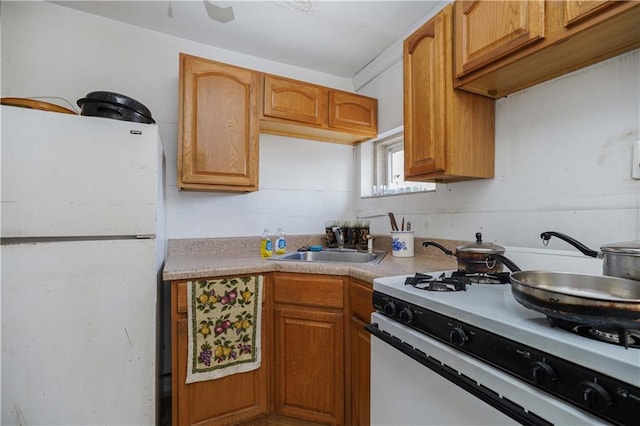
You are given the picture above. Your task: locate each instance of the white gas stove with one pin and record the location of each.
(504, 354)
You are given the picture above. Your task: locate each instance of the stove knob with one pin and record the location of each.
(389, 308)
(542, 374)
(457, 336)
(593, 396)
(406, 316)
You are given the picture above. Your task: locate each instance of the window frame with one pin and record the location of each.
(383, 150)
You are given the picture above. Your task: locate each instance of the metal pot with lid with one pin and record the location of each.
(472, 257)
(620, 260)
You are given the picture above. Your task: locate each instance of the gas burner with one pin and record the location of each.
(482, 278)
(442, 283)
(621, 336)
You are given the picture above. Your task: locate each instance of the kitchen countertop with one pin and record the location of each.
(213, 257)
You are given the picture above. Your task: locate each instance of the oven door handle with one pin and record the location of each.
(507, 407)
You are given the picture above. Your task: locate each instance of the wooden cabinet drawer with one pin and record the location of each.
(361, 295)
(312, 290)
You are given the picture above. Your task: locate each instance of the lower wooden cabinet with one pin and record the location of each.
(309, 347)
(309, 365)
(315, 352)
(226, 401)
(360, 352)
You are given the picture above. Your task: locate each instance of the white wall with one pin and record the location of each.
(563, 163)
(563, 148)
(49, 50)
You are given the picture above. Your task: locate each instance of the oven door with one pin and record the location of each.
(417, 380)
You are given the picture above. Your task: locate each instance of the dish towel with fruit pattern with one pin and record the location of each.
(224, 327)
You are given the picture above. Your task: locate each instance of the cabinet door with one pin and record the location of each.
(576, 11)
(360, 362)
(218, 128)
(309, 364)
(294, 100)
(489, 30)
(348, 111)
(225, 401)
(360, 295)
(425, 74)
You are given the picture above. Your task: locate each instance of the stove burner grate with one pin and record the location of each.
(458, 281)
(441, 283)
(484, 278)
(620, 336)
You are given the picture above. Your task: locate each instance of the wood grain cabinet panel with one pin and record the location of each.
(218, 126)
(489, 30)
(309, 347)
(296, 101)
(579, 10)
(352, 112)
(502, 47)
(448, 134)
(226, 401)
(360, 352)
(309, 364)
(299, 109)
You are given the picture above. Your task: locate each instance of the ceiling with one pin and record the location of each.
(334, 37)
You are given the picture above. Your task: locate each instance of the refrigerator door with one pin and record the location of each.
(76, 176)
(79, 332)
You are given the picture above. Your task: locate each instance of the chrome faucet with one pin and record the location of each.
(339, 238)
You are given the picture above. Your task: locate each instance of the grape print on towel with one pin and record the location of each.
(224, 332)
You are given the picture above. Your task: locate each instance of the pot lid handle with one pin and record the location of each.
(480, 247)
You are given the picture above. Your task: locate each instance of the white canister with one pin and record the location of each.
(402, 243)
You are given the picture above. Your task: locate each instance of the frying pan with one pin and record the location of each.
(599, 301)
(587, 299)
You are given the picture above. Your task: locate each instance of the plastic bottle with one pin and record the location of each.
(281, 242)
(266, 245)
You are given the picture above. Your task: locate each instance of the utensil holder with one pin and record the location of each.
(402, 243)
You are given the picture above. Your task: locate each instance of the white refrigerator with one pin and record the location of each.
(82, 251)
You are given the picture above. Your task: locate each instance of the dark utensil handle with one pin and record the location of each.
(394, 224)
(577, 244)
(504, 260)
(432, 243)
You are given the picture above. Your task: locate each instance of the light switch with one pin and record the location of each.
(635, 165)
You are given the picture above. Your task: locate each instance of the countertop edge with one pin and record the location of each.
(215, 265)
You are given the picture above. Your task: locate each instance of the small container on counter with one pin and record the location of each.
(281, 242)
(266, 245)
(402, 243)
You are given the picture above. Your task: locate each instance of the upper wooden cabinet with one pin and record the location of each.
(505, 46)
(489, 30)
(218, 126)
(448, 134)
(353, 113)
(294, 100)
(305, 110)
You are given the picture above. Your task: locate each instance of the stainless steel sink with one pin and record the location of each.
(330, 256)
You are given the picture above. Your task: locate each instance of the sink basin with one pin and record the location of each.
(333, 257)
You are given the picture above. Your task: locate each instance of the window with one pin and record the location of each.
(388, 167)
